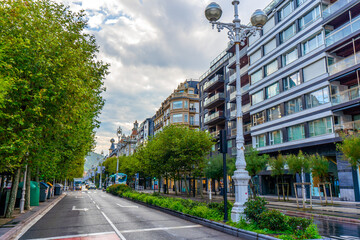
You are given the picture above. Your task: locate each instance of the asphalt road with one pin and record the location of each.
(97, 215)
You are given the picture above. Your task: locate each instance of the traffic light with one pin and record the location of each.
(222, 141)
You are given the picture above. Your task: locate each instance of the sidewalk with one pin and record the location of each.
(342, 211)
(14, 226)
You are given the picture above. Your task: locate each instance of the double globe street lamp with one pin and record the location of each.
(237, 34)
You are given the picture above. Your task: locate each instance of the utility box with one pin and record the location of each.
(34, 193)
(44, 188)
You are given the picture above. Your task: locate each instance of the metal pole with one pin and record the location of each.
(225, 188)
(22, 201)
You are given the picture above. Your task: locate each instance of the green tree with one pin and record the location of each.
(319, 167)
(278, 169)
(255, 163)
(51, 99)
(350, 148)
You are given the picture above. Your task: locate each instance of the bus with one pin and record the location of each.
(122, 178)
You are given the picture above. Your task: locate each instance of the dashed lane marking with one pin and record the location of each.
(97, 207)
(127, 206)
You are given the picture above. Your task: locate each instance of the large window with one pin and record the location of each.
(273, 113)
(177, 105)
(314, 70)
(268, 47)
(257, 97)
(287, 33)
(296, 132)
(275, 137)
(258, 118)
(293, 106)
(320, 127)
(309, 17)
(186, 118)
(313, 43)
(317, 98)
(272, 90)
(270, 68)
(177, 118)
(255, 56)
(289, 57)
(285, 11)
(185, 104)
(256, 76)
(291, 81)
(260, 141)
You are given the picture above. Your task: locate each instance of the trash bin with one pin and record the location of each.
(4, 200)
(165, 186)
(58, 189)
(34, 193)
(222, 191)
(44, 188)
(50, 190)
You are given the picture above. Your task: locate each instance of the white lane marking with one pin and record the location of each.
(79, 209)
(126, 206)
(75, 236)
(160, 229)
(78, 197)
(97, 207)
(113, 226)
(94, 202)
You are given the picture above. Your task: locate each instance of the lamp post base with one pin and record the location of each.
(241, 180)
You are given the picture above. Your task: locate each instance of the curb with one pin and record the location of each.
(318, 216)
(207, 223)
(14, 232)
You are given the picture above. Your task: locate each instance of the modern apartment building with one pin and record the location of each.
(146, 129)
(181, 107)
(301, 77)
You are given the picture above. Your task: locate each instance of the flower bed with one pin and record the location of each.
(261, 220)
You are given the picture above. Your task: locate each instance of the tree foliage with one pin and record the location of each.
(255, 162)
(319, 167)
(350, 147)
(298, 163)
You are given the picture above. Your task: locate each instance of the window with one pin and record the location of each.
(269, 25)
(181, 91)
(258, 118)
(299, 2)
(271, 68)
(191, 91)
(291, 81)
(320, 127)
(260, 141)
(177, 105)
(192, 120)
(185, 104)
(289, 57)
(313, 43)
(287, 33)
(296, 132)
(293, 106)
(309, 17)
(257, 97)
(272, 90)
(273, 113)
(253, 38)
(177, 118)
(271, 45)
(285, 11)
(275, 137)
(256, 76)
(314, 70)
(185, 118)
(255, 56)
(317, 98)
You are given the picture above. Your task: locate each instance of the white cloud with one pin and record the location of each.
(152, 46)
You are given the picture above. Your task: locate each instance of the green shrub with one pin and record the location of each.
(273, 220)
(311, 232)
(254, 207)
(118, 189)
(297, 223)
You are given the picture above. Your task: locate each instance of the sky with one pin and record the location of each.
(151, 46)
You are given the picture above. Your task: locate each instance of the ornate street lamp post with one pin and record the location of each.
(237, 34)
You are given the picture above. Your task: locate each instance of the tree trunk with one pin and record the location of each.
(27, 190)
(303, 187)
(201, 188)
(252, 187)
(14, 188)
(167, 185)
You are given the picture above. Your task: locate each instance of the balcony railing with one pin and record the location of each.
(233, 114)
(244, 69)
(210, 117)
(246, 108)
(243, 89)
(214, 98)
(246, 128)
(215, 134)
(216, 65)
(194, 123)
(192, 109)
(348, 127)
(343, 32)
(345, 96)
(232, 95)
(232, 77)
(334, 7)
(270, 6)
(344, 63)
(216, 79)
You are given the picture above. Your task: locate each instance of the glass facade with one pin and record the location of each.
(309, 17)
(285, 11)
(177, 118)
(296, 132)
(272, 90)
(289, 57)
(291, 81)
(177, 105)
(313, 43)
(317, 98)
(273, 113)
(256, 76)
(320, 127)
(260, 141)
(258, 118)
(270, 68)
(275, 137)
(257, 97)
(287, 33)
(293, 106)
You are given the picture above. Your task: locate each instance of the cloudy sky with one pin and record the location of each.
(152, 46)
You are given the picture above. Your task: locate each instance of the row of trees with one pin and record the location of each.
(50, 86)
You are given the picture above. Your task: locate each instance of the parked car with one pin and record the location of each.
(91, 186)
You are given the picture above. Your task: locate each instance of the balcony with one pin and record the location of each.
(246, 129)
(233, 114)
(339, 34)
(243, 90)
(344, 63)
(215, 134)
(345, 96)
(213, 83)
(348, 127)
(214, 118)
(232, 78)
(194, 123)
(243, 70)
(270, 6)
(214, 100)
(334, 7)
(216, 63)
(192, 110)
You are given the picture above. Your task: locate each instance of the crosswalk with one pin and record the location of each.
(342, 237)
